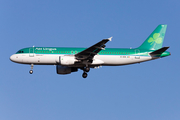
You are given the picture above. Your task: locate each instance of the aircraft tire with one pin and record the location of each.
(84, 75)
(87, 69)
(31, 71)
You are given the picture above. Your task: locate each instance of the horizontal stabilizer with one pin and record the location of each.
(158, 52)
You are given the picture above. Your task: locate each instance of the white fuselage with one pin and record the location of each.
(53, 59)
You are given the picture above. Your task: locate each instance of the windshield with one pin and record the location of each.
(20, 51)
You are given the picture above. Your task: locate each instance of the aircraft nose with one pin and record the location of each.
(12, 58)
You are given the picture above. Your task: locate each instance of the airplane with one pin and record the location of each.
(70, 59)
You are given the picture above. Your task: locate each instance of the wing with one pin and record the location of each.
(90, 52)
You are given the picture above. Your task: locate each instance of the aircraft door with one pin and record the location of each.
(137, 56)
(31, 52)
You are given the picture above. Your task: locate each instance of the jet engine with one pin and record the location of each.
(65, 70)
(66, 60)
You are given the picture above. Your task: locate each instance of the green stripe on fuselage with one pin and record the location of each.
(70, 51)
(61, 50)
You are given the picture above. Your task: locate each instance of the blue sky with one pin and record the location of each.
(146, 91)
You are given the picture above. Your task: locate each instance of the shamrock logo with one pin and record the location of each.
(155, 39)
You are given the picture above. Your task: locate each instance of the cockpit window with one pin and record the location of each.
(20, 51)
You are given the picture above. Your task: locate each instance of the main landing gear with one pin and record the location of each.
(31, 71)
(84, 75)
(86, 69)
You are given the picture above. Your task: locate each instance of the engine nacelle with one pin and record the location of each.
(66, 60)
(65, 70)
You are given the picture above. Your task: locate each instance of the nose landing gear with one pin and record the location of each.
(31, 71)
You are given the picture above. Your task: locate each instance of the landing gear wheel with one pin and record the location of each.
(84, 75)
(86, 69)
(31, 71)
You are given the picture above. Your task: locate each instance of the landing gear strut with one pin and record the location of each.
(31, 71)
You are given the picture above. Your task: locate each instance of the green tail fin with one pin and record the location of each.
(155, 40)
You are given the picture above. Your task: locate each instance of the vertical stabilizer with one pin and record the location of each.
(155, 40)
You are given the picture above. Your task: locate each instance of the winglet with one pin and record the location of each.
(110, 38)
